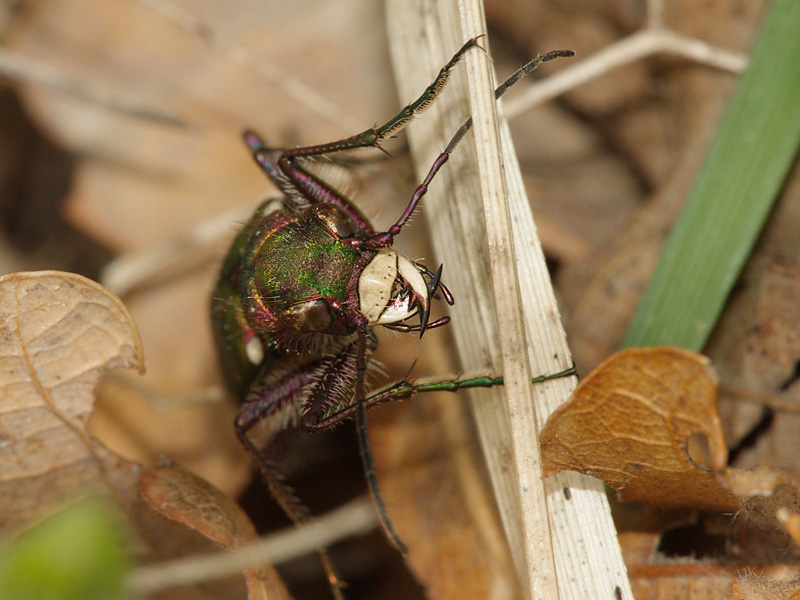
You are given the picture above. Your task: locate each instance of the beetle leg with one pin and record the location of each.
(301, 187)
(273, 404)
(405, 389)
(373, 136)
(366, 450)
(383, 239)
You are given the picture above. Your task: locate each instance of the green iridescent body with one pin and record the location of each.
(278, 260)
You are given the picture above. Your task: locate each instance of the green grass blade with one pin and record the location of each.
(743, 173)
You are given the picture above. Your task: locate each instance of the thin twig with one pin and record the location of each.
(523, 442)
(638, 46)
(17, 67)
(353, 519)
(241, 55)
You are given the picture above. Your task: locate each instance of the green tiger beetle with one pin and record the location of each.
(300, 291)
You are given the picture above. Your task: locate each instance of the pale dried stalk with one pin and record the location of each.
(540, 575)
(588, 561)
(420, 46)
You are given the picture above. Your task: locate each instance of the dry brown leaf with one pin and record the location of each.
(630, 423)
(433, 484)
(60, 332)
(634, 423)
(642, 422)
(183, 497)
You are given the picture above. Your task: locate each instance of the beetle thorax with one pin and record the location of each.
(391, 288)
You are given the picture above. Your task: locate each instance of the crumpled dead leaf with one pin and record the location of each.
(633, 421)
(645, 422)
(183, 497)
(58, 333)
(638, 422)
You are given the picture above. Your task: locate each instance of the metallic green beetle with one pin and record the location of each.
(302, 287)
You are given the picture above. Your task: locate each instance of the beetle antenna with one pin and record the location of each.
(383, 239)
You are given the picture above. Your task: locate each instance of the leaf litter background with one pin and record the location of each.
(608, 166)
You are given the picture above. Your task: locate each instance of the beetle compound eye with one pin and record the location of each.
(336, 219)
(308, 316)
